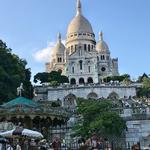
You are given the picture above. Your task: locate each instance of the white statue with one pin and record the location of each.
(20, 89)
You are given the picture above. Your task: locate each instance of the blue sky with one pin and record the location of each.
(30, 28)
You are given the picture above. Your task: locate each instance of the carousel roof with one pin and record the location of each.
(23, 107)
(20, 101)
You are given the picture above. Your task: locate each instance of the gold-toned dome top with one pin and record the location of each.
(59, 47)
(101, 45)
(79, 23)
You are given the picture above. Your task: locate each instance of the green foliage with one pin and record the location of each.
(54, 83)
(13, 71)
(126, 81)
(145, 90)
(49, 77)
(140, 78)
(117, 78)
(146, 82)
(97, 116)
(55, 104)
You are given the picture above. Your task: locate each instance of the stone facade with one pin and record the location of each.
(138, 125)
(94, 92)
(82, 59)
(138, 132)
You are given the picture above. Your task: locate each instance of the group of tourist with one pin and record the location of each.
(93, 143)
(135, 147)
(96, 143)
(26, 144)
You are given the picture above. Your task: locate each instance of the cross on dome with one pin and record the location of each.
(59, 37)
(101, 36)
(79, 8)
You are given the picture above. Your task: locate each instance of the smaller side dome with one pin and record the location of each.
(59, 47)
(101, 45)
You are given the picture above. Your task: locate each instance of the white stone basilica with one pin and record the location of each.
(82, 59)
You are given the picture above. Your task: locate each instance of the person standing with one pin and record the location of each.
(9, 147)
(56, 144)
(18, 147)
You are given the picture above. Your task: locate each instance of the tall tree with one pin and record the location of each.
(13, 71)
(50, 77)
(97, 116)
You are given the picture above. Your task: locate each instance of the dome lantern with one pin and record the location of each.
(79, 8)
(101, 36)
(59, 37)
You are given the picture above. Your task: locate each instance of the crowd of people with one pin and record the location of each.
(93, 143)
(96, 143)
(31, 144)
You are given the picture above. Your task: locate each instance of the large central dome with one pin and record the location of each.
(79, 23)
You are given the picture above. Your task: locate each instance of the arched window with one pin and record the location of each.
(72, 69)
(70, 100)
(92, 95)
(85, 47)
(113, 96)
(89, 80)
(103, 57)
(80, 62)
(97, 58)
(81, 81)
(76, 47)
(73, 81)
(59, 59)
(71, 47)
(89, 69)
(59, 70)
(89, 48)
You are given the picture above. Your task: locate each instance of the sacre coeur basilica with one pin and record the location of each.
(82, 59)
(85, 62)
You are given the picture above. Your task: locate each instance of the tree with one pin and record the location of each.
(13, 71)
(146, 82)
(42, 77)
(97, 116)
(126, 81)
(140, 78)
(117, 78)
(145, 90)
(50, 77)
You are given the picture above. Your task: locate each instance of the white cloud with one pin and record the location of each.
(44, 55)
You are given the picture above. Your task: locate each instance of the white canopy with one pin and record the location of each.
(23, 132)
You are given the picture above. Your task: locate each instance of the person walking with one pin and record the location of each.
(18, 147)
(9, 147)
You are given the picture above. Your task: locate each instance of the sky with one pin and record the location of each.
(30, 27)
